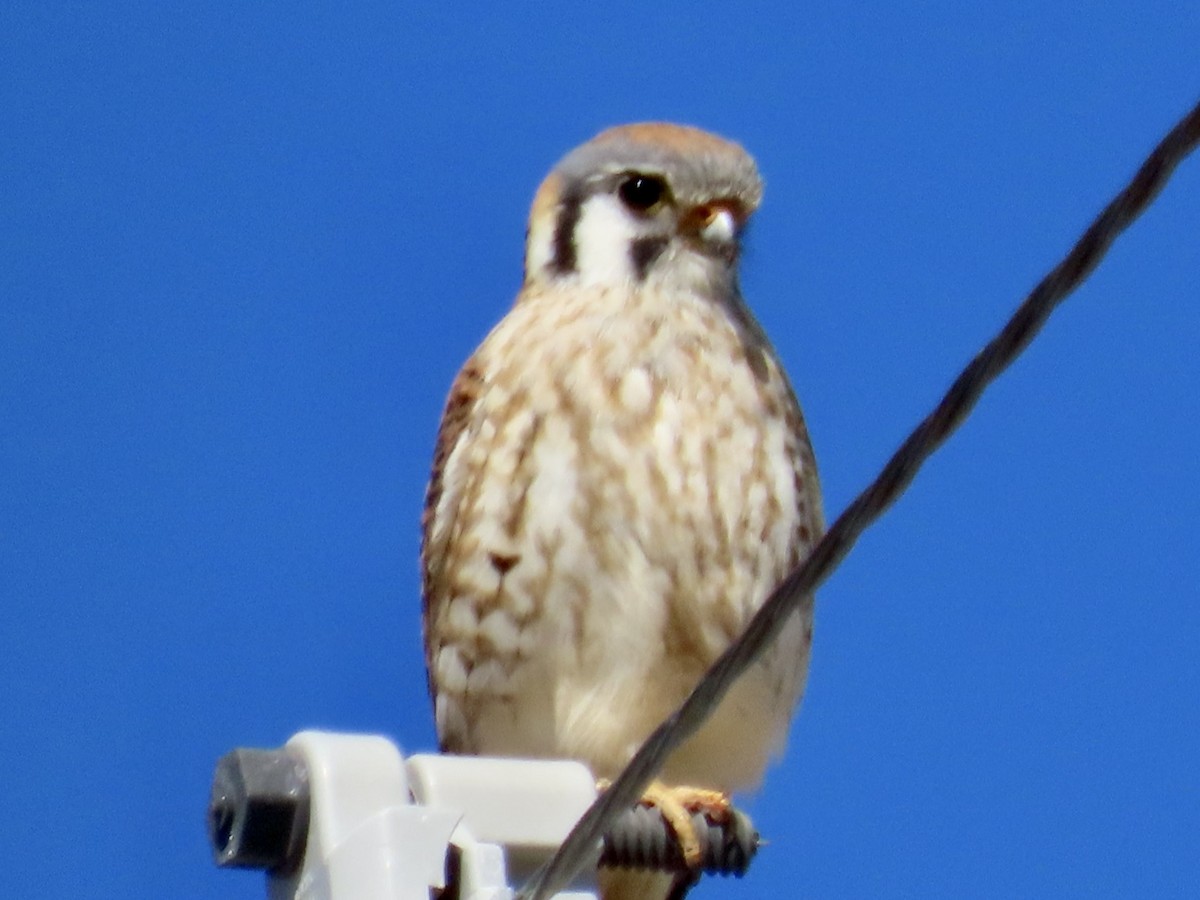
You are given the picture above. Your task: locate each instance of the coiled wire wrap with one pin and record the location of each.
(641, 839)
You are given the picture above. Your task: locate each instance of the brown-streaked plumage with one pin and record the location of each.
(621, 476)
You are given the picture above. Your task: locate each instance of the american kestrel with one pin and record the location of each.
(621, 476)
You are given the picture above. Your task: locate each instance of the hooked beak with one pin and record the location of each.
(717, 226)
(721, 225)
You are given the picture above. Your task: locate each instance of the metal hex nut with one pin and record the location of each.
(258, 811)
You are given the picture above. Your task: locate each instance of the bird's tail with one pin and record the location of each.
(630, 884)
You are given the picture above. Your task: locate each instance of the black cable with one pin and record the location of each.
(899, 472)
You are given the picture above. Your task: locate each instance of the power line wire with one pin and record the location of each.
(580, 846)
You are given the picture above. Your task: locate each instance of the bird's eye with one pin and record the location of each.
(642, 192)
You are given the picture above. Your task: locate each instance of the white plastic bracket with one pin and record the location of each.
(383, 830)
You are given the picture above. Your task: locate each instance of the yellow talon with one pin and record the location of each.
(677, 804)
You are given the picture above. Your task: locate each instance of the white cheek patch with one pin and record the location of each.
(603, 238)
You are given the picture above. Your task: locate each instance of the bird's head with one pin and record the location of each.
(650, 203)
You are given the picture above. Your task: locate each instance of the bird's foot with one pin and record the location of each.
(677, 804)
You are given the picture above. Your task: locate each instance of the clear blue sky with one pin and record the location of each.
(245, 247)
